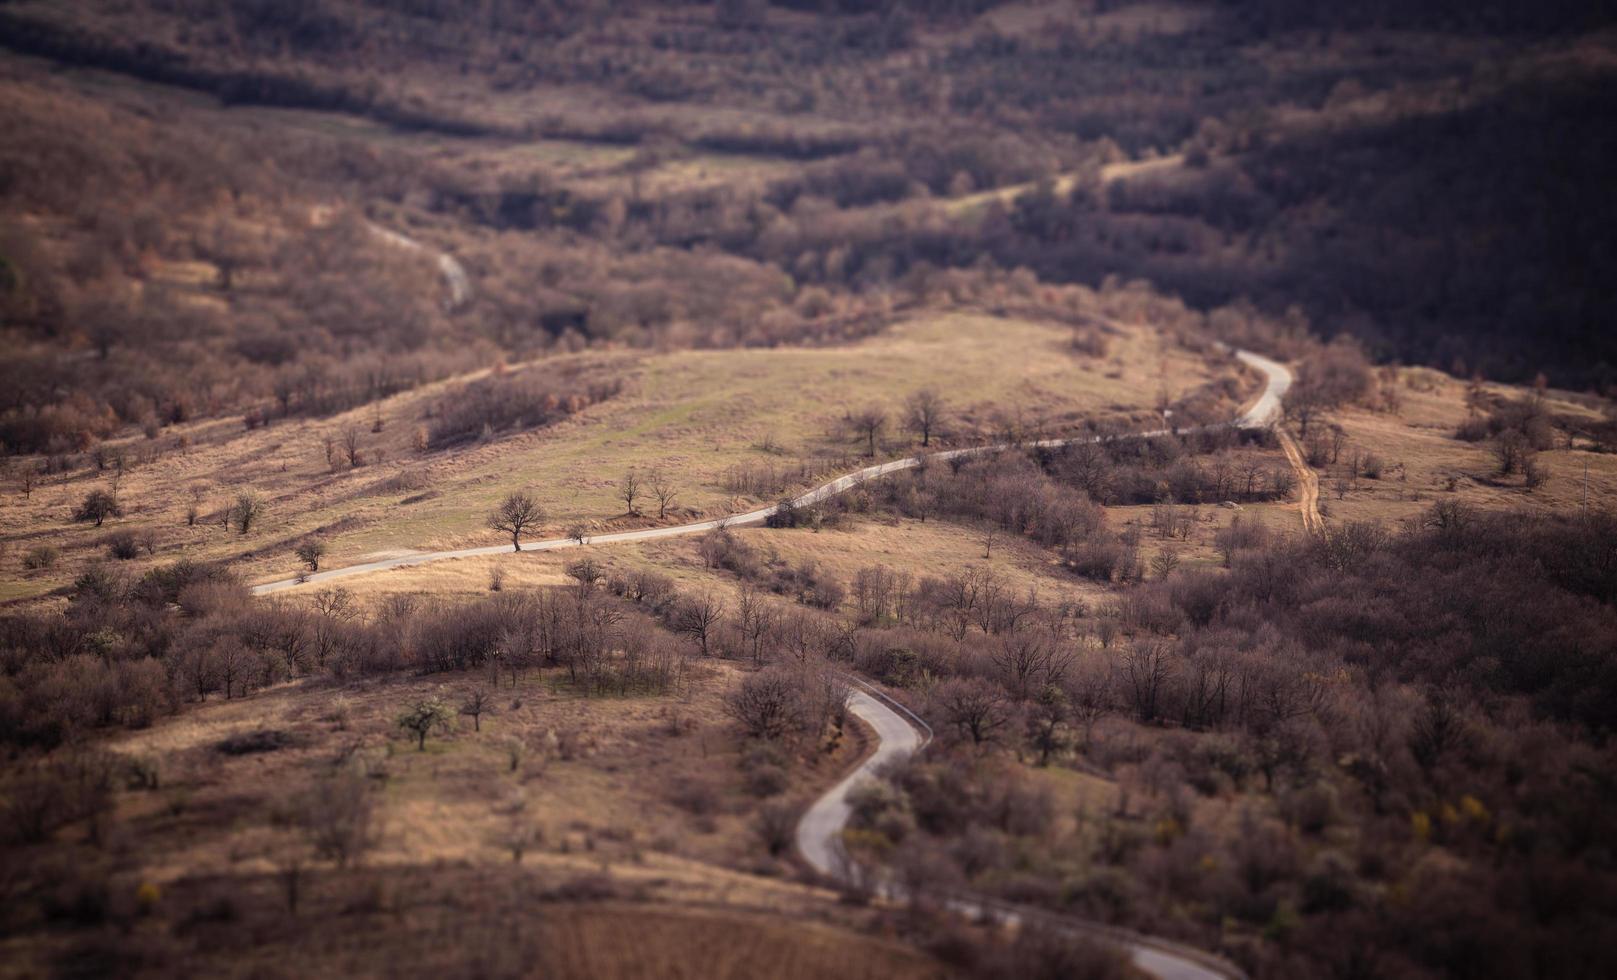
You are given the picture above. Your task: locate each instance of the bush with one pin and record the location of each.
(764, 771)
(40, 558)
(97, 506)
(776, 825)
(123, 546)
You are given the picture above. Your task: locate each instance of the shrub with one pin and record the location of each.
(776, 825)
(123, 546)
(40, 558)
(97, 506)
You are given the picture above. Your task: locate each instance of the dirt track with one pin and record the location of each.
(1307, 484)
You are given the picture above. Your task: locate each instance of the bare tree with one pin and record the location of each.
(1146, 675)
(335, 609)
(1090, 696)
(97, 506)
(246, 511)
(767, 704)
(1047, 721)
(1513, 450)
(663, 489)
(310, 552)
(579, 533)
(868, 423)
(923, 413)
(697, 617)
(755, 620)
(351, 448)
(477, 704)
(518, 514)
(630, 490)
(975, 708)
(193, 509)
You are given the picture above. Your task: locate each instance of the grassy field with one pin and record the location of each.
(648, 788)
(1426, 463)
(693, 414)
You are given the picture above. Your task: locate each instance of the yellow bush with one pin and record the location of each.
(1421, 824)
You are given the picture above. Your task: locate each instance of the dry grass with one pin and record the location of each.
(622, 790)
(693, 414)
(1425, 462)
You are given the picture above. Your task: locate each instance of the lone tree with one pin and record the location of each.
(310, 552)
(579, 532)
(98, 505)
(351, 448)
(477, 704)
(423, 717)
(924, 414)
(868, 423)
(663, 489)
(247, 509)
(518, 514)
(630, 489)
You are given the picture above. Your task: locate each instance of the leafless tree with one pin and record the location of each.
(756, 622)
(630, 490)
(351, 448)
(197, 497)
(1146, 673)
(767, 704)
(923, 413)
(975, 708)
(1513, 450)
(97, 506)
(518, 514)
(663, 489)
(698, 617)
(1028, 661)
(579, 532)
(1089, 695)
(334, 610)
(246, 511)
(868, 423)
(477, 703)
(1048, 720)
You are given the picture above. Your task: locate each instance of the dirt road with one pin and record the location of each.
(1263, 412)
(1307, 484)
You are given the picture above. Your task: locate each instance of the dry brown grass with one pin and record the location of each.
(651, 783)
(694, 414)
(1426, 463)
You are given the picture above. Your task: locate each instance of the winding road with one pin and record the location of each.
(1263, 412)
(900, 732)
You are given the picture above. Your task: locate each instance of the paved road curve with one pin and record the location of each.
(899, 734)
(1265, 411)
